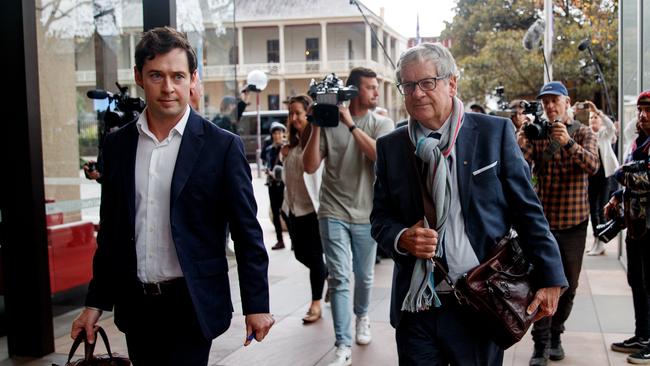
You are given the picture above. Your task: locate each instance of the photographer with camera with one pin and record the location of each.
(271, 157)
(563, 153)
(349, 151)
(121, 109)
(634, 176)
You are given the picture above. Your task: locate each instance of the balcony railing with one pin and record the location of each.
(223, 72)
(87, 77)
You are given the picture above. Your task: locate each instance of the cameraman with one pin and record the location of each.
(349, 151)
(634, 176)
(562, 163)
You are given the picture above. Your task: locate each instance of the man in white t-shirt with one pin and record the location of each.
(349, 151)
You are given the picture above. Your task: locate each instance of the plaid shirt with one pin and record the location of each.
(562, 183)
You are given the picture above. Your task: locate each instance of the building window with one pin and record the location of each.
(274, 102)
(311, 49)
(272, 51)
(350, 50)
(233, 55)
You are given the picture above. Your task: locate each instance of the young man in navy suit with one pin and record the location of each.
(479, 185)
(172, 182)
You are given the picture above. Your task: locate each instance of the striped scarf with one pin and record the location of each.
(434, 152)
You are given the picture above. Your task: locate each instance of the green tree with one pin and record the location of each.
(487, 43)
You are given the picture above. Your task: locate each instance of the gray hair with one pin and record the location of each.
(438, 54)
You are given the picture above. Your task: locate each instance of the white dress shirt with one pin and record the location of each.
(154, 168)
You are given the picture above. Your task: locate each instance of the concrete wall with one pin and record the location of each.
(294, 41)
(338, 36)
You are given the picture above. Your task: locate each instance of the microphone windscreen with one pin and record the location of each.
(97, 94)
(534, 34)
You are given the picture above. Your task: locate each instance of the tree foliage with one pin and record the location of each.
(487, 44)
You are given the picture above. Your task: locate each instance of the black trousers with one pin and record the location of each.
(305, 239)
(572, 246)
(598, 192)
(448, 335)
(166, 331)
(638, 277)
(276, 196)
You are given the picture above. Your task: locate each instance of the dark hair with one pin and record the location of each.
(294, 139)
(159, 41)
(357, 73)
(478, 107)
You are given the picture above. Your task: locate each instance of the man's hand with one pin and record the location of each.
(419, 241)
(87, 321)
(258, 326)
(559, 133)
(92, 174)
(546, 300)
(346, 117)
(611, 208)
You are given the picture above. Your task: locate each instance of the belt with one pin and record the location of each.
(163, 287)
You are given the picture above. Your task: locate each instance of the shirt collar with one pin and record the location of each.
(143, 125)
(442, 130)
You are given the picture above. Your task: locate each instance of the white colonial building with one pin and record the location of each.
(292, 41)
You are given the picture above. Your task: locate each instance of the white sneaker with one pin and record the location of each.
(363, 330)
(598, 249)
(343, 356)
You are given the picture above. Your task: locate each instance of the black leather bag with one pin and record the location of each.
(108, 359)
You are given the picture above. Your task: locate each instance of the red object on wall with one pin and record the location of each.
(71, 248)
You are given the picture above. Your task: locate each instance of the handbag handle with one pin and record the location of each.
(89, 348)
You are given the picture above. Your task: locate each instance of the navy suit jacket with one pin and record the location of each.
(211, 188)
(492, 200)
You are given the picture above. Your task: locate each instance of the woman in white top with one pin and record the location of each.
(600, 183)
(301, 204)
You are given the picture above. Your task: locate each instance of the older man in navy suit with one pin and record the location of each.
(172, 181)
(480, 187)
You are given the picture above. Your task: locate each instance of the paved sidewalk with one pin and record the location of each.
(602, 313)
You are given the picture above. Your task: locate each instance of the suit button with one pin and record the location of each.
(465, 162)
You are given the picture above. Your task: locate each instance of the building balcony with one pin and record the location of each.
(304, 69)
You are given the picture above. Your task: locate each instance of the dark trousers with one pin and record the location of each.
(638, 277)
(166, 331)
(448, 335)
(598, 192)
(305, 240)
(276, 196)
(572, 246)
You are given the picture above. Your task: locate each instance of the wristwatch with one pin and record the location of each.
(569, 144)
(351, 128)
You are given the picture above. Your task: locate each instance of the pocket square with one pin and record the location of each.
(481, 170)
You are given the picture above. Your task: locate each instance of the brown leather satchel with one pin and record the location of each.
(499, 291)
(108, 359)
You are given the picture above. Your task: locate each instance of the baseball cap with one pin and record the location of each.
(277, 126)
(553, 88)
(644, 98)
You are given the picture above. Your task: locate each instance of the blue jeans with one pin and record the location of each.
(348, 248)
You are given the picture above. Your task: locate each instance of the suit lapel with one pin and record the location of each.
(130, 151)
(191, 145)
(465, 148)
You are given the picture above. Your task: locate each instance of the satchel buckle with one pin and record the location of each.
(151, 289)
(462, 300)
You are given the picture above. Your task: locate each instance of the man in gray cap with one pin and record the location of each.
(563, 153)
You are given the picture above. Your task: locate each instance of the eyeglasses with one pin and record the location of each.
(427, 84)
